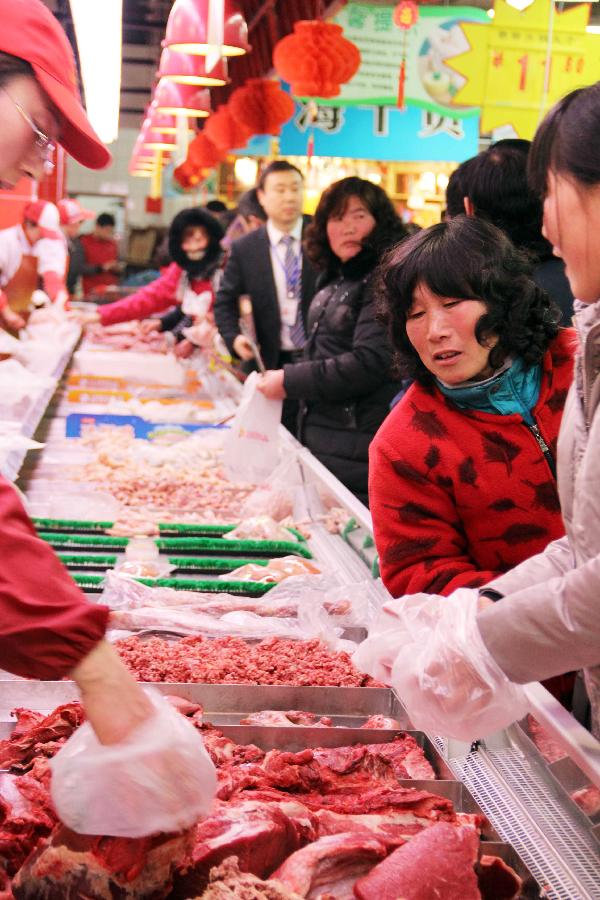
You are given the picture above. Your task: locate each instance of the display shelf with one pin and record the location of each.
(10, 466)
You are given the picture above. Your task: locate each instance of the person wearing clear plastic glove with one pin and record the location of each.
(546, 619)
(48, 629)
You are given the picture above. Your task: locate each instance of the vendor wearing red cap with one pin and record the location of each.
(32, 252)
(48, 629)
(72, 217)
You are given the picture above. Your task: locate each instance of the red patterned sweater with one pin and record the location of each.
(458, 496)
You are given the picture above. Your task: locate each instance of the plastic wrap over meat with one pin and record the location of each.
(258, 528)
(275, 571)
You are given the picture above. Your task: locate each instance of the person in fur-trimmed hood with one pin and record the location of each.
(189, 281)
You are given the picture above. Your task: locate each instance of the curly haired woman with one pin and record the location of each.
(344, 382)
(462, 472)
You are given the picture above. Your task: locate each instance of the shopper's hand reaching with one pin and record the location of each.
(83, 317)
(243, 348)
(149, 325)
(271, 385)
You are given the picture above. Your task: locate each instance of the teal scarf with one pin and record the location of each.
(513, 390)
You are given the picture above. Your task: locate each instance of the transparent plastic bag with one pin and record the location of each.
(160, 778)
(280, 497)
(259, 528)
(429, 649)
(251, 449)
(276, 570)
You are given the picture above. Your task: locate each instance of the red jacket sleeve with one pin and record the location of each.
(47, 626)
(152, 298)
(418, 534)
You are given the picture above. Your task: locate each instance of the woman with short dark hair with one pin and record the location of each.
(344, 383)
(462, 475)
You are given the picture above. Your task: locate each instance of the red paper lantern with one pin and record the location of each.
(406, 14)
(316, 60)
(203, 154)
(261, 106)
(224, 131)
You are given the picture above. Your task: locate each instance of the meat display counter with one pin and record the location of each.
(530, 797)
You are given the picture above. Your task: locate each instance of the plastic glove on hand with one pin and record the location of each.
(444, 674)
(160, 778)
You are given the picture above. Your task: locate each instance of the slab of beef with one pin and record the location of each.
(438, 862)
(276, 717)
(328, 770)
(226, 882)
(26, 816)
(232, 660)
(497, 880)
(330, 866)
(78, 867)
(260, 834)
(225, 752)
(37, 735)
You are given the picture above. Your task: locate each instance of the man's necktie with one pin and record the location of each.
(293, 274)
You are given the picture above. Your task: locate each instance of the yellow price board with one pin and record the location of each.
(520, 65)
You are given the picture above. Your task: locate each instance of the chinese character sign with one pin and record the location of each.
(512, 71)
(436, 35)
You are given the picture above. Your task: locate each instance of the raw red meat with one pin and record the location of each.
(37, 735)
(225, 752)
(226, 882)
(26, 816)
(588, 799)
(277, 717)
(548, 747)
(330, 865)
(380, 721)
(438, 862)
(234, 661)
(497, 880)
(329, 770)
(260, 834)
(76, 867)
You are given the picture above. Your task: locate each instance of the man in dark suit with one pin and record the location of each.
(269, 266)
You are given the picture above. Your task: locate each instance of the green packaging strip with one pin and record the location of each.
(244, 588)
(166, 529)
(180, 563)
(85, 541)
(81, 561)
(276, 548)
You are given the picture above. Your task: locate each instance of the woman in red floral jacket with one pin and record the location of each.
(462, 482)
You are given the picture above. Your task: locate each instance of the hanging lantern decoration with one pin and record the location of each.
(189, 27)
(176, 99)
(203, 153)
(186, 69)
(261, 106)
(226, 132)
(186, 176)
(406, 15)
(316, 59)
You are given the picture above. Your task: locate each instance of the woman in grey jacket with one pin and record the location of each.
(456, 661)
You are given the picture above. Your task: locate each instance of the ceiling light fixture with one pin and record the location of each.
(186, 69)
(190, 28)
(98, 29)
(182, 99)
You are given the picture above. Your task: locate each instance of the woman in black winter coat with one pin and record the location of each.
(343, 383)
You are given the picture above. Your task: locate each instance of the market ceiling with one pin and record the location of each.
(144, 23)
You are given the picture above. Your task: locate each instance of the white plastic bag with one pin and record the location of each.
(159, 779)
(251, 449)
(278, 498)
(430, 650)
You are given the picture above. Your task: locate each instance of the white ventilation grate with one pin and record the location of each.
(559, 854)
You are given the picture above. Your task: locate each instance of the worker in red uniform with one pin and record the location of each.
(101, 253)
(48, 629)
(31, 253)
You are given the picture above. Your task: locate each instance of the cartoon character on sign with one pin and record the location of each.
(406, 14)
(443, 42)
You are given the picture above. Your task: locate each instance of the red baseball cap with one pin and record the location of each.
(46, 216)
(71, 211)
(30, 32)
